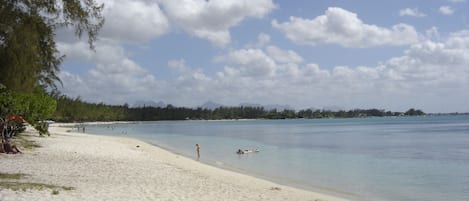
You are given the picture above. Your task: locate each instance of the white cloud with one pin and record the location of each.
(446, 10)
(457, 1)
(111, 79)
(283, 56)
(430, 75)
(114, 74)
(212, 20)
(133, 21)
(262, 39)
(249, 62)
(432, 34)
(339, 26)
(427, 75)
(75, 51)
(179, 66)
(106, 51)
(414, 12)
(191, 82)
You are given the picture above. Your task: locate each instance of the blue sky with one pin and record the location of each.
(392, 55)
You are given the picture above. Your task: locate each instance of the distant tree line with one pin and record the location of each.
(77, 110)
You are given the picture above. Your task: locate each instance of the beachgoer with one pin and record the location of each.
(2, 149)
(197, 148)
(8, 148)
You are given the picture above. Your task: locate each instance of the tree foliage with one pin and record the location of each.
(29, 58)
(70, 110)
(6, 102)
(77, 110)
(33, 107)
(414, 112)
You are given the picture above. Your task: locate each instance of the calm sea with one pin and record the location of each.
(392, 158)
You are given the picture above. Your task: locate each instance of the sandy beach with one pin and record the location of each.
(90, 167)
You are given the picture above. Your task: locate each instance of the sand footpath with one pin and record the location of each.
(114, 168)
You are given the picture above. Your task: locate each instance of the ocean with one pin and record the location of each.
(366, 159)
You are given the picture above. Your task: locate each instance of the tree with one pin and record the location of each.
(413, 112)
(34, 107)
(6, 103)
(29, 58)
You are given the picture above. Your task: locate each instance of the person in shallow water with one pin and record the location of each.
(197, 148)
(245, 151)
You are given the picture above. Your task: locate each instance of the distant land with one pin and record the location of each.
(211, 105)
(77, 110)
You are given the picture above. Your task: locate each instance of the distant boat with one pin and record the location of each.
(246, 151)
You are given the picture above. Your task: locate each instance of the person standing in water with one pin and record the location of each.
(197, 148)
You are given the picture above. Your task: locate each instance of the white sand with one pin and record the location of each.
(113, 168)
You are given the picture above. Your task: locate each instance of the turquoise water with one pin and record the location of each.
(384, 159)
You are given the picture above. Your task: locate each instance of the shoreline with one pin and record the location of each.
(276, 180)
(120, 168)
(214, 163)
(317, 188)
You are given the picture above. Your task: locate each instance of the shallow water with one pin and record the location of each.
(404, 158)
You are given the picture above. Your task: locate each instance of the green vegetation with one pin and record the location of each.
(29, 59)
(71, 110)
(33, 107)
(76, 110)
(413, 112)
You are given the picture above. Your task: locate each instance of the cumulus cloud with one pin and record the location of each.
(112, 77)
(283, 56)
(106, 51)
(248, 62)
(110, 71)
(212, 20)
(179, 66)
(262, 39)
(432, 34)
(430, 75)
(137, 21)
(75, 51)
(414, 12)
(446, 10)
(133, 21)
(427, 75)
(344, 28)
(191, 83)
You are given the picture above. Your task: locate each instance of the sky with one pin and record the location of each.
(348, 54)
